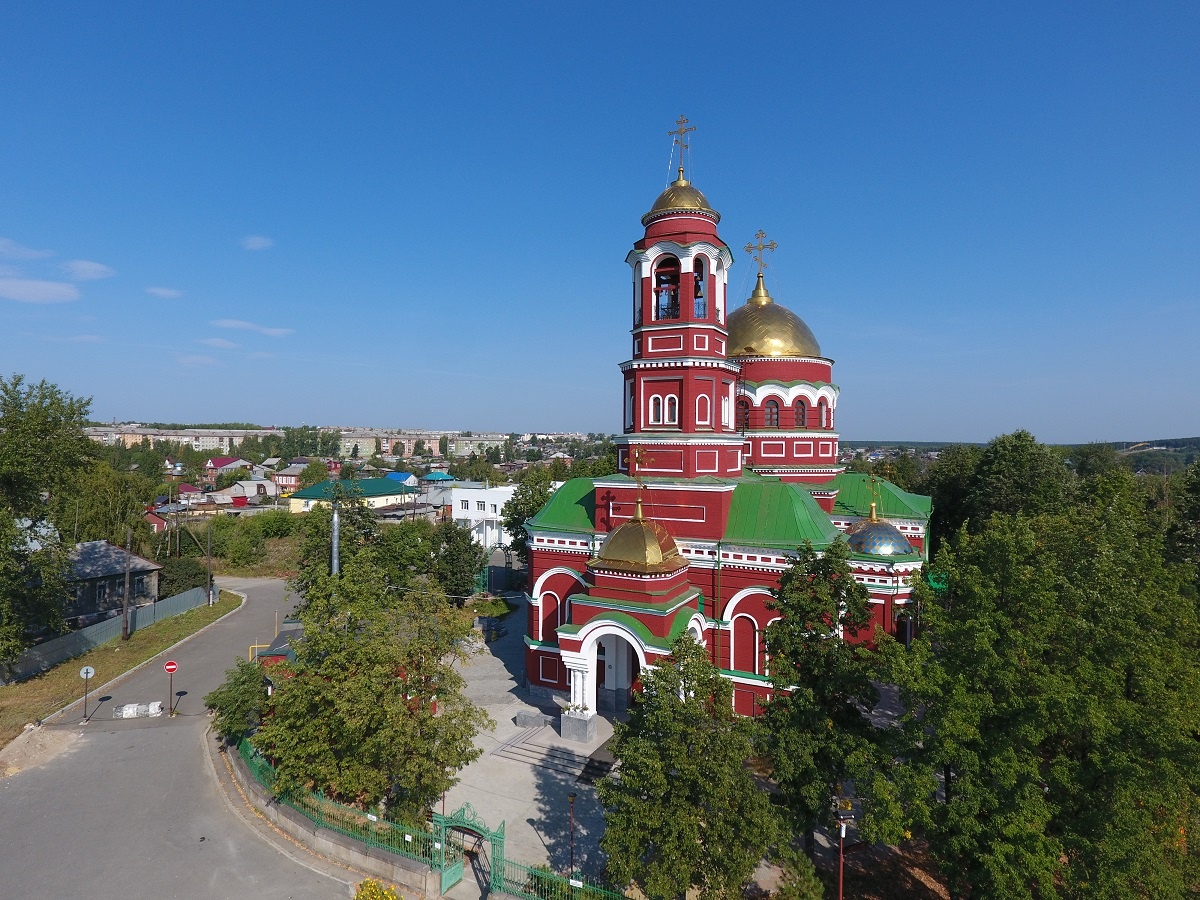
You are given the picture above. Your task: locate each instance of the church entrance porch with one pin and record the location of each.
(601, 675)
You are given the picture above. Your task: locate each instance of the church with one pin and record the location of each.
(728, 461)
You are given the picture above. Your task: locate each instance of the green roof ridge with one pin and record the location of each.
(570, 508)
(855, 496)
(777, 514)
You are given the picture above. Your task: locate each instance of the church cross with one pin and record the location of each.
(680, 133)
(769, 246)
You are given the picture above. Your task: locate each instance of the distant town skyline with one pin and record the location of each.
(988, 217)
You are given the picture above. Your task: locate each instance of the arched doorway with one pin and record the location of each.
(617, 666)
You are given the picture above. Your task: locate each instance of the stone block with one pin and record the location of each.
(581, 729)
(532, 719)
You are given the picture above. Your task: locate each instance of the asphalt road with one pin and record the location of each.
(132, 810)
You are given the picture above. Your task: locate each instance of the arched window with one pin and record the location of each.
(719, 291)
(637, 298)
(703, 410)
(771, 414)
(743, 415)
(823, 409)
(666, 289)
(745, 644)
(672, 417)
(801, 414)
(656, 410)
(700, 303)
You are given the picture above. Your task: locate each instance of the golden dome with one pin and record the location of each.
(764, 328)
(640, 546)
(680, 197)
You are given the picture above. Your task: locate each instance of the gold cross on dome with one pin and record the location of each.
(679, 134)
(769, 246)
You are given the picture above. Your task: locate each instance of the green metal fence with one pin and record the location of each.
(508, 877)
(405, 840)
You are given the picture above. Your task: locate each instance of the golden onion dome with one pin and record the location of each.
(877, 537)
(641, 546)
(764, 328)
(680, 197)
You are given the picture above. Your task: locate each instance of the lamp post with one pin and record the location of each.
(571, 805)
(845, 815)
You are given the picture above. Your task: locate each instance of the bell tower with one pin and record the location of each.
(679, 387)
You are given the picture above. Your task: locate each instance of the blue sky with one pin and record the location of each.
(417, 216)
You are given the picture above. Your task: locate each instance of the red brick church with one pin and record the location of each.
(728, 463)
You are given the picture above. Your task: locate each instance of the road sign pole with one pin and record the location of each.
(170, 666)
(86, 674)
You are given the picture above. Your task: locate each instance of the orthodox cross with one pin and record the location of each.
(638, 459)
(769, 246)
(680, 133)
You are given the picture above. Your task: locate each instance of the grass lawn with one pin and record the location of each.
(30, 700)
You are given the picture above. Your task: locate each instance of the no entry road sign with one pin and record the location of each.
(171, 667)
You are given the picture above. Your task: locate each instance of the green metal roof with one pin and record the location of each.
(777, 514)
(361, 487)
(571, 508)
(652, 642)
(855, 496)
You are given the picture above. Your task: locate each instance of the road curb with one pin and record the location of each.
(45, 720)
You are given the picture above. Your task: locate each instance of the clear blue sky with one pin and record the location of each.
(417, 214)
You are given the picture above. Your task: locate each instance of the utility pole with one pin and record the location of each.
(125, 598)
(210, 596)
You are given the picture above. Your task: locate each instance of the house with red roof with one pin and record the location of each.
(219, 465)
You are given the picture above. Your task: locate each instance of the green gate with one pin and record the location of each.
(466, 819)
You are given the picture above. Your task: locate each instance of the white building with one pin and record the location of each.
(477, 506)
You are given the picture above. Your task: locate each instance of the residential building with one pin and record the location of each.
(477, 506)
(96, 578)
(377, 493)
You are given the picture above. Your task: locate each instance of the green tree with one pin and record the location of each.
(239, 702)
(419, 448)
(457, 560)
(1016, 474)
(314, 473)
(180, 574)
(372, 711)
(949, 482)
(527, 500)
(443, 446)
(818, 727)
(100, 504)
(684, 810)
(42, 443)
(42, 448)
(1092, 460)
(228, 479)
(1056, 688)
(358, 531)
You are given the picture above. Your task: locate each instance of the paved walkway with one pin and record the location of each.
(525, 775)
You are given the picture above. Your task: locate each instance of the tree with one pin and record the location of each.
(443, 446)
(239, 702)
(527, 500)
(42, 443)
(100, 504)
(817, 727)
(1016, 474)
(457, 560)
(419, 448)
(180, 574)
(42, 446)
(372, 711)
(949, 482)
(1056, 688)
(354, 452)
(314, 473)
(683, 810)
(358, 530)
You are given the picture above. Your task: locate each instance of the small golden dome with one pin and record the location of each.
(640, 545)
(680, 197)
(764, 328)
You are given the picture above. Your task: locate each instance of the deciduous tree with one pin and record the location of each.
(527, 499)
(683, 811)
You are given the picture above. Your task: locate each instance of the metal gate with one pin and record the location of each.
(462, 821)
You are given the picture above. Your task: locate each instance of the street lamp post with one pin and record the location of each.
(571, 804)
(845, 815)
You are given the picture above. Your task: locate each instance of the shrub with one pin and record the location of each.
(181, 574)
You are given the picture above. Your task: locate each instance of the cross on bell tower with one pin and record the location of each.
(680, 140)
